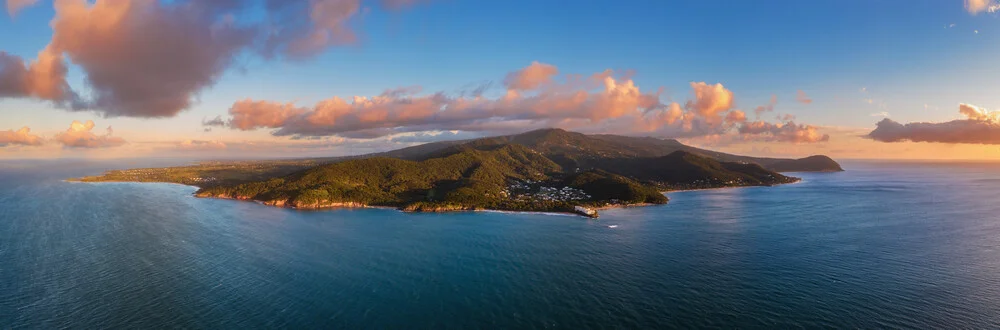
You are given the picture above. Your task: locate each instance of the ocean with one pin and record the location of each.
(883, 245)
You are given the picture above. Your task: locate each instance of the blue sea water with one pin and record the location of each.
(883, 245)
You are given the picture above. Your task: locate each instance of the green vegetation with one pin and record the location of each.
(207, 174)
(571, 150)
(809, 164)
(502, 174)
(544, 170)
(604, 186)
(685, 170)
(470, 179)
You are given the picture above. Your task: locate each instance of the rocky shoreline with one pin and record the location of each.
(584, 211)
(417, 208)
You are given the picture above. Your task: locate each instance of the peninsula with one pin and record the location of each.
(549, 170)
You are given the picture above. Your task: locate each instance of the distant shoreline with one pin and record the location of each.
(77, 180)
(799, 180)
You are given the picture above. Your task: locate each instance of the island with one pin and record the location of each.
(548, 170)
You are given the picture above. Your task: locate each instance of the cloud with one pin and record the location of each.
(297, 37)
(531, 77)
(390, 113)
(759, 110)
(22, 136)
(981, 127)
(399, 4)
(782, 132)
(599, 103)
(710, 101)
(201, 145)
(44, 78)
(79, 135)
(801, 97)
(151, 59)
(978, 6)
(249, 114)
(217, 121)
(145, 58)
(883, 114)
(977, 113)
(736, 116)
(14, 6)
(432, 136)
(402, 91)
(475, 89)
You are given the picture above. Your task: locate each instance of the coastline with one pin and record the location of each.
(799, 180)
(354, 205)
(623, 206)
(74, 180)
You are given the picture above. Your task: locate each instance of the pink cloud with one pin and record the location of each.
(801, 97)
(710, 101)
(531, 77)
(398, 4)
(44, 78)
(22, 136)
(201, 145)
(327, 26)
(14, 6)
(978, 6)
(981, 127)
(151, 59)
(249, 114)
(601, 102)
(782, 132)
(80, 135)
(736, 116)
(759, 110)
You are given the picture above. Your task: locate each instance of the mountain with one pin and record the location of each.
(686, 170)
(549, 170)
(543, 170)
(503, 177)
(817, 163)
(571, 149)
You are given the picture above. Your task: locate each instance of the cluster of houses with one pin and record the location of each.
(525, 190)
(564, 194)
(135, 174)
(709, 183)
(147, 174)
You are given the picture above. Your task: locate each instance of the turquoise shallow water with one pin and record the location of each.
(912, 245)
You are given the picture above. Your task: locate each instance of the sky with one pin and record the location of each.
(266, 78)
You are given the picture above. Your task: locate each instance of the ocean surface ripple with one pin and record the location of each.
(883, 245)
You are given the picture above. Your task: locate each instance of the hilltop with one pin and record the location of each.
(506, 177)
(549, 170)
(818, 163)
(571, 147)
